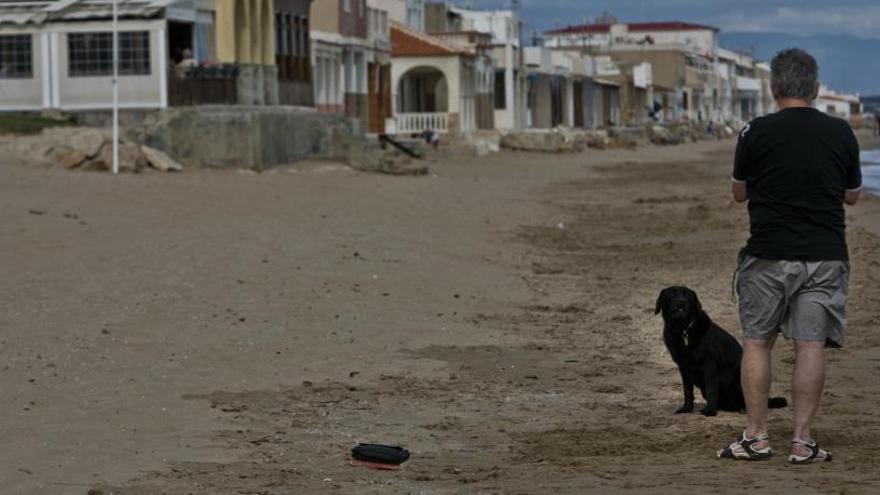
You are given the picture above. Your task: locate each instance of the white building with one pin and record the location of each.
(59, 54)
(408, 12)
(505, 28)
(434, 81)
(841, 105)
(694, 38)
(741, 82)
(55, 57)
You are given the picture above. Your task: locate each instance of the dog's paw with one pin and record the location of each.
(685, 408)
(709, 411)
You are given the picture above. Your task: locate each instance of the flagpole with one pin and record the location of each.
(115, 89)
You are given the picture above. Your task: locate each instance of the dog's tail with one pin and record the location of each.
(777, 402)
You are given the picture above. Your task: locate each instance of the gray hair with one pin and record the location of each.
(794, 74)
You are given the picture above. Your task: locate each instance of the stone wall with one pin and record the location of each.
(244, 137)
(485, 111)
(257, 84)
(357, 108)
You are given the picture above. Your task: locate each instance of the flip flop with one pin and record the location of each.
(743, 449)
(816, 454)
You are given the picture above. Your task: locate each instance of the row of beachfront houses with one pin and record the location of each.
(391, 66)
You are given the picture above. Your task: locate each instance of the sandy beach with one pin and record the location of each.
(221, 332)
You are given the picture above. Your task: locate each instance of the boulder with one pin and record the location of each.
(558, 140)
(69, 157)
(87, 140)
(658, 134)
(130, 158)
(159, 160)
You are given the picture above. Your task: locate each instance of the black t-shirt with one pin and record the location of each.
(797, 164)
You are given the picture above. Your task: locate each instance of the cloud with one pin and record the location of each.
(862, 21)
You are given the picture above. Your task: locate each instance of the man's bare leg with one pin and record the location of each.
(756, 375)
(807, 383)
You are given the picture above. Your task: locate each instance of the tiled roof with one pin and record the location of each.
(408, 42)
(633, 27)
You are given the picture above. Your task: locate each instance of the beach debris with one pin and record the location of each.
(378, 456)
(558, 140)
(379, 157)
(402, 146)
(661, 135)
(160, 160)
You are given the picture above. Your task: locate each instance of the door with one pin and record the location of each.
(578, 104)
(379, 95)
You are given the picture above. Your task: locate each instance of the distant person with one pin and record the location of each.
(877, 122)
(186, 64)
(431, 137)
(796, 168)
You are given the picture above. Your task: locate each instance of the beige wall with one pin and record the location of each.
(668, 67)
(396, 8)
(325, 16)
(245, 31)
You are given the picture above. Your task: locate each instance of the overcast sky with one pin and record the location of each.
(804, 17)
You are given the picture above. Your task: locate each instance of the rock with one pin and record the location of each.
(159, 160)
(558, 140)
(628, 134)
(69, 158)
(408, 169)
(621, 142)
(658, 134)
(87, 140)
(130, 158)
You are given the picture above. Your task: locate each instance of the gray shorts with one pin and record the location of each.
(806, 300)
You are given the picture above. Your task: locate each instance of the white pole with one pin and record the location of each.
(115, 89)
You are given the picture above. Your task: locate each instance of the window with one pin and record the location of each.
(91, 54)
(280, 42)
(296, 27)
(15, 57)
(304, 38)
(346, 5)
(500, 90)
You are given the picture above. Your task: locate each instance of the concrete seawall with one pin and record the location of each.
(255, 137)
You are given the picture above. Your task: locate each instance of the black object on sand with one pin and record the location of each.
(379, 456)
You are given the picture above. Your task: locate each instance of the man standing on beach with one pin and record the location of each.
(797, 168)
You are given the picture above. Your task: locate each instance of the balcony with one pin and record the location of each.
(748, 83)
(203, 86)
(412, 123)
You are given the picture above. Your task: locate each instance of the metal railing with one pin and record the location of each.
(203, 85)
(407, 123)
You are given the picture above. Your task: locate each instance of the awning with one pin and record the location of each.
(606, 82)
(38, 12)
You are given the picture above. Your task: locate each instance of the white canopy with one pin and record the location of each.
(41, 11)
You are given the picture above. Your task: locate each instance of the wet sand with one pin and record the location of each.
(217, 332)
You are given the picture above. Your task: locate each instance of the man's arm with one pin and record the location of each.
(740, 167)
(738, 188)
(853, 171)
(851, 196)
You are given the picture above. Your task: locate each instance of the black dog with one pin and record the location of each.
(706, 355)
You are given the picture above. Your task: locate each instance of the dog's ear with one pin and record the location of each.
(661, 299)
(697, 303)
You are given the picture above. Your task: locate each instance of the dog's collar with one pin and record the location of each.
(687, 330)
